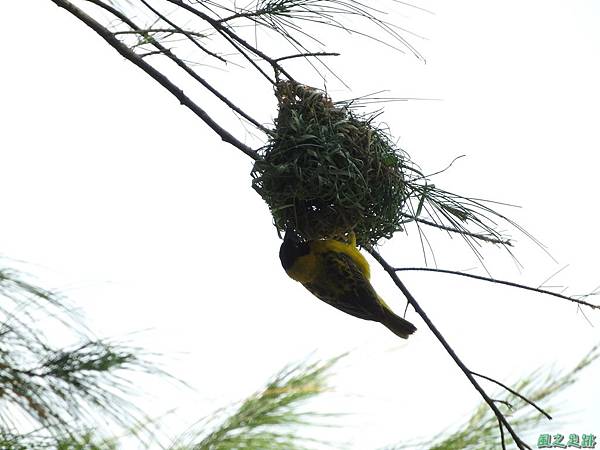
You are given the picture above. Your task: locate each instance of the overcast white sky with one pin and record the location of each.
(105, 190)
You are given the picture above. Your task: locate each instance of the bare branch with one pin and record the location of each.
(151, 53)
(493, 280)
(480, 236)
(184, 66)
(411, 299)
(504, 402)
(182, 31)
(234, 38)
(146, 31)
(502, 440)
(246, 15)
(306, 55)
(136, 59)
(513, 392)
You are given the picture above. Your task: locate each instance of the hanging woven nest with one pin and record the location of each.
(328, 170)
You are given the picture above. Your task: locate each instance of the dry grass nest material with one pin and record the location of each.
(328, 170)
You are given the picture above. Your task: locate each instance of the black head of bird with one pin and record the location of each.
(292, 248)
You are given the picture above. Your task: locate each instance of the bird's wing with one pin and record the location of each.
(340, 282)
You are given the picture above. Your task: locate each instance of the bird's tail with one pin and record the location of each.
(398, 325)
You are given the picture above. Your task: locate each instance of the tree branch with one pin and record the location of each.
(246, 15)
(481, 237)
(306, 55)
(513, 392)
(227, 33)
(146, 31)
(136, 59)
(183, 65)
(493, 280)
(181, 30)
(411, 299)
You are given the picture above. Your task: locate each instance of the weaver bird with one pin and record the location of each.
(337, 273)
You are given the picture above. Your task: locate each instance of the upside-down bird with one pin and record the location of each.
(337, 273)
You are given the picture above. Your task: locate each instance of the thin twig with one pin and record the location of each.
(306, 55)
(481, 237)
(143, 31)
(493, 280)
(501, 434)
(513, 392)
(184, 32)
(504, 402)
(151, 53)
(184, 66)
(227, 33)
(136, 59)
(246, 15)
(411, 299)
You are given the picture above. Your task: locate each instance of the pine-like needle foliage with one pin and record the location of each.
(272, 419)
(35, 441)
(49, 392)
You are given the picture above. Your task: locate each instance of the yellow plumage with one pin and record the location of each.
(338, 274)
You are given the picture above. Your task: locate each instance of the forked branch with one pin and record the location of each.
(161, 49)
(158, 76)
(503, 422)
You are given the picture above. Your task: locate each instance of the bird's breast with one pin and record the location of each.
(304, 268)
